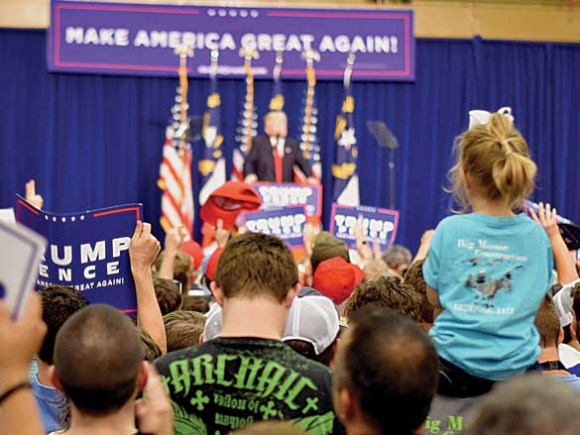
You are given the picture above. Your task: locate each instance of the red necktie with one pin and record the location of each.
(278, 164)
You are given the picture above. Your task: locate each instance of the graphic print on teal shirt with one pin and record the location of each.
(491, 274)
(227, 384)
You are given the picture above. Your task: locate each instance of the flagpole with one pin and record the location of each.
(348, 69)
(184, 52)
(249, 53)
(310, 56)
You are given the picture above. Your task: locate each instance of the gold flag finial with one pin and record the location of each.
(249, 52)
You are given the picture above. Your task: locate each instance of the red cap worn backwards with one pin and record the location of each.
(336, 279)
(228, 201)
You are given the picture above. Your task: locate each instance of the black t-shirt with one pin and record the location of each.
(230, 383)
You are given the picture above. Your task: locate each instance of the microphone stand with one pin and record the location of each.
(385, 138)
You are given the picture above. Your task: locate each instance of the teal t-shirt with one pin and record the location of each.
(491, 274)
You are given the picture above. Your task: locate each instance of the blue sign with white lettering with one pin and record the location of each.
(286, 223)
(139, 39)
(88, 251)
(379, 224)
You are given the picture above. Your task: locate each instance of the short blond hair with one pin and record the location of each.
(497, 158)
(274, 113)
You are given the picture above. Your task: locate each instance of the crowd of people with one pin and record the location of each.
(477, 333)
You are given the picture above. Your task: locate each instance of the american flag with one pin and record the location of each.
(212, 166)
(175, 172)
(344, 171)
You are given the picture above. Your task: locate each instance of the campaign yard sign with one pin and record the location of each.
(139, 39)
(286, 223)
(20, 256)
(88, 251)
(379, 224)
(288, 194)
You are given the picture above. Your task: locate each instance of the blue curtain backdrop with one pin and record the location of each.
(94, 141)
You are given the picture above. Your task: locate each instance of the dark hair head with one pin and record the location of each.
(325, 247)
(183, 329)
(529, 404)
(97, 358)
(168, 295)
(196, 303)
(548, 323)
(414, 279)
(58, 304)
(256, 265)
(390, 365)
(397, 257)
(306, 349)
(151, 350)
(182, 268)
(386, 292)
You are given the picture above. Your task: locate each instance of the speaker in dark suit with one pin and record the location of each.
(273, 156)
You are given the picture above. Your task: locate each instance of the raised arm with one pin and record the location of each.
(143, 251)
(425, 244)
(173, 240)
(547, 217)
(19, 341)
(32, 197)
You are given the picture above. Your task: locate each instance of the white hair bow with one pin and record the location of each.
(480, 117)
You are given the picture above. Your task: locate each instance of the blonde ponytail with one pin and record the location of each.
(497, 158)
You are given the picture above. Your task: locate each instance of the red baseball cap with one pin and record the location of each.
(212, 263)
(193, 249)
(228, 201)
(336, 279)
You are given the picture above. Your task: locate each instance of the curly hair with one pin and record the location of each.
(386, 292)
(414, 279)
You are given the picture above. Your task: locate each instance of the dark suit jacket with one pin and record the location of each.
(260, 160)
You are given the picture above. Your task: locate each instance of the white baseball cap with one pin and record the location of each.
(213, 323)
(564, 301)
(313, 319)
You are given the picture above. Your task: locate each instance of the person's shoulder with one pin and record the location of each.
(452, 221)
(262, 138)
(293, 143)
(163, 362)
(532, 228)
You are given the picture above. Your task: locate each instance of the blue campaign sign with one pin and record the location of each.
(287, 223)
(288, 194)
(139, 39)
(88, 251)
(379, 224)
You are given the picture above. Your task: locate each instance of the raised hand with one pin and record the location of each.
(144, 247)
(221, 236)
(362, 247)
(547, 217)
(19, 341)
(32, 197)
(307, 238)
(154, 412)
(174, 238)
